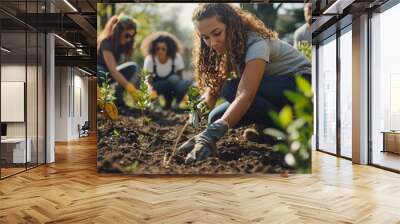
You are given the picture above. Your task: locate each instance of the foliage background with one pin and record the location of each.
(285, 18)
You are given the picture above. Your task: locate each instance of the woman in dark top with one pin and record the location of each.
(114, 45)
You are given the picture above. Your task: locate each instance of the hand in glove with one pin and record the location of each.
(131, 89)
(153, 95)
(109, 108)
(111, 111)
(204, 144)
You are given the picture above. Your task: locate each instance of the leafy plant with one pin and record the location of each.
(295, 127)
(305, 48)
(132, 167)
(197, 107)
(116, 134)
(105, 99)
(144, 101)
(193, 94)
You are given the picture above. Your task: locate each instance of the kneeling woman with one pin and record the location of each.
(114, 54)
(232, 41)
(164, 61)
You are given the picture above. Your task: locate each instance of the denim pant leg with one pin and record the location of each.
(181, 88)
(164, 88)
(256, 114)
(270, 97)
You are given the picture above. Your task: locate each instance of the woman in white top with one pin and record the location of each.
(164, 61)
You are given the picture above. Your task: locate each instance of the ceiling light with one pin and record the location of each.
(337, 7)
(65, 41)
(5, 50)
(86, 72)
(70, 5)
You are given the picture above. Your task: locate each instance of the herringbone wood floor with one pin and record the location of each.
(70, 191)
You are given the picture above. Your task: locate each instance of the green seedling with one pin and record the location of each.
(144, 100)
(116, 134)
(197, 109)
(106, 98)
(132, 167)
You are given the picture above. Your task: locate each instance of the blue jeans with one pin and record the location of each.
(269, 97)
(129, 72)
(172, 87)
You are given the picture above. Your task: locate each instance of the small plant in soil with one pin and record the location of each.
(144, 100)
(106, 98)
(132, 167)
(198, 109)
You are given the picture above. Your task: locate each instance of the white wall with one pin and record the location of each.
(71, 94)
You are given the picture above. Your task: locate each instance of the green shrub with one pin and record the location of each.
(295, 127)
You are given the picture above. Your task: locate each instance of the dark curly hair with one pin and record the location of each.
(211, 69)
(149, 44)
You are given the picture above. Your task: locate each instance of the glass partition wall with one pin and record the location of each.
(385, 89)
(327, 95)
(346, 75)
(334, 86)
(22, 87)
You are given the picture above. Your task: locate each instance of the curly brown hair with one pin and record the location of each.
(211, 69)
(149, 44)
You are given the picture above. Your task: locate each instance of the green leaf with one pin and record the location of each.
(304, 86)
(286, 116)
(293, 96)
(275, 118)
(279, 135)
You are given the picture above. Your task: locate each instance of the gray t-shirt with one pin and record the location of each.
(303, 33)
(282, 58)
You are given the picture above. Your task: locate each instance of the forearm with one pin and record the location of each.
(119, 78)
(237, 109)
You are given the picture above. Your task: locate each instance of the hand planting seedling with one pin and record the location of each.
(105, 100)
(197, 109)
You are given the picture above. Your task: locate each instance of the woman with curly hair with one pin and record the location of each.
(163, 60)
(115, 46)
(238, 58)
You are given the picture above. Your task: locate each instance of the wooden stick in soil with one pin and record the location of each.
(176, 143)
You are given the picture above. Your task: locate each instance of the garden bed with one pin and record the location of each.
(131, 145)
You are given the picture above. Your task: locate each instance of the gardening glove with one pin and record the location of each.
(153, 95)
(111, 111)
(204, 144)
(131, 89)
